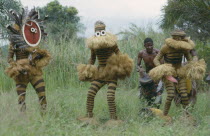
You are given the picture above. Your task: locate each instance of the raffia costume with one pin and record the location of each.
(172, 52)
(112, 65)
(27, 67)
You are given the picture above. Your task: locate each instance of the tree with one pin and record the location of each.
(190, 15)
(63, 20)
(5, 6)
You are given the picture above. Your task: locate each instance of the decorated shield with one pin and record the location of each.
(31, 33)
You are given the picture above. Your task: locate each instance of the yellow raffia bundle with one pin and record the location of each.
(161, 71)
(44, 61)
(109, 40)
(17, 68)
(40, 62)
(195, 69)
(186, 44)
(119, 66)
(87, 72)
(181, 72)
(157, 113)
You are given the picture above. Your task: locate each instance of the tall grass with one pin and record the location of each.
(66, 54)
(61, 72)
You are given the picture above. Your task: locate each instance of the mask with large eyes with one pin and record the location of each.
(100, 33)
(31, 33)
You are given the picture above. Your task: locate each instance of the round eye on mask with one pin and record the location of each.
(33, 30)
(97, 34)
(103, 32)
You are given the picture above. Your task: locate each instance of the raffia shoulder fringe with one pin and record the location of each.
(87, 72)
(18, 68)
(194, 70)
(118, 67)
(109, 40)
(162, 70)
(44, 61)
(186, 44)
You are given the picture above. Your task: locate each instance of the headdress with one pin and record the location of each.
(28, 28)
(99, 25)
(178, 33)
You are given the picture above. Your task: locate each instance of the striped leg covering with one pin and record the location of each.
(170, 88)
(39, 86)
(111, 98)
(95, 86)
(21, 91)
(183, 92)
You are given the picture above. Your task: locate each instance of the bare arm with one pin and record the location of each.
(139, 60)
(92, 57)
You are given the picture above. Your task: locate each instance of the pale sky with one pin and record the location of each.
(117, 14)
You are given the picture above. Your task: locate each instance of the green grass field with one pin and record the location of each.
(65, 105)
(66, 97)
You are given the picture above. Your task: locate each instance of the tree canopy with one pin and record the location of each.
(5, 6)
(193, 16)
(63, 20)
